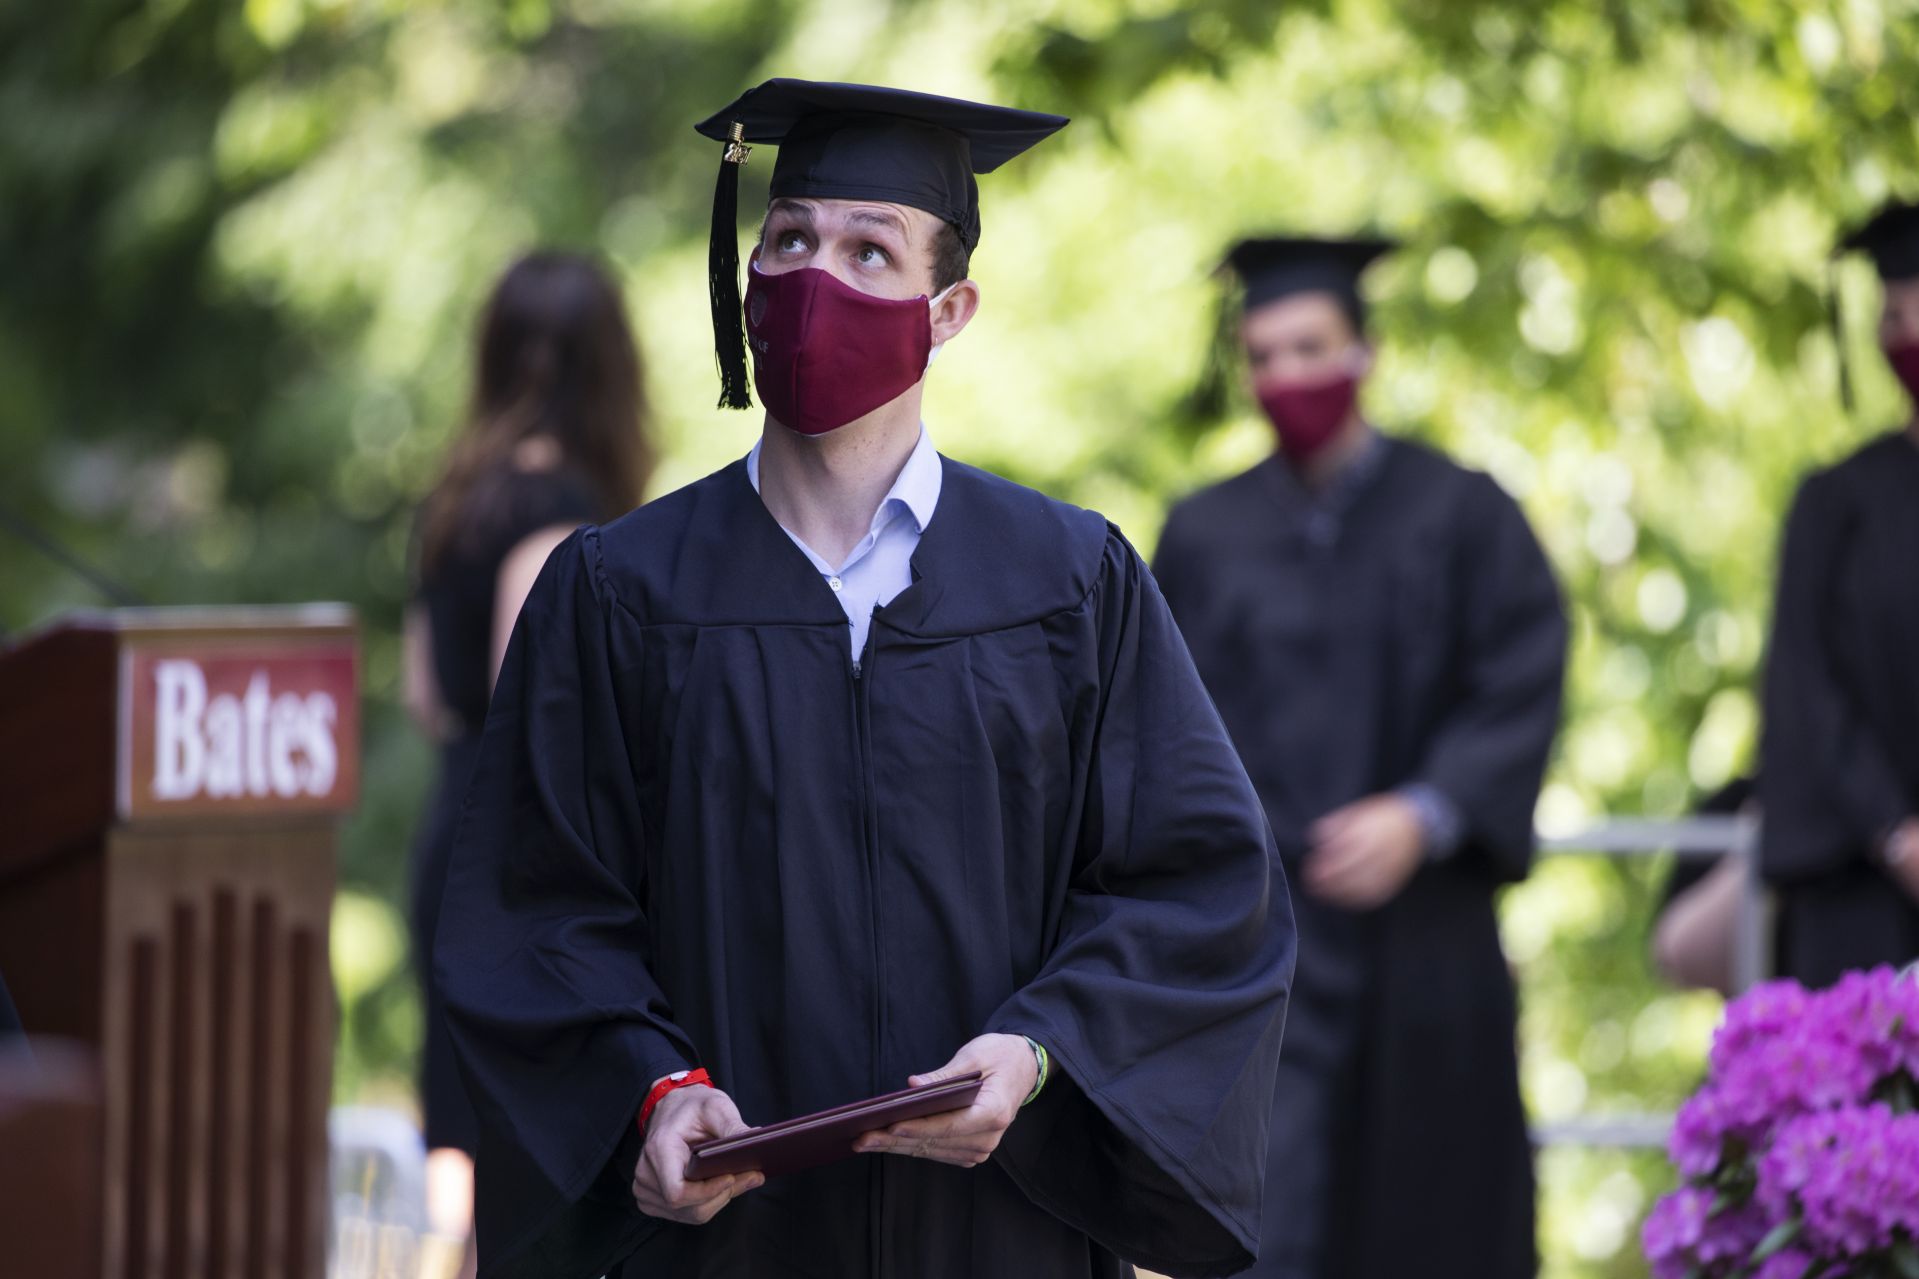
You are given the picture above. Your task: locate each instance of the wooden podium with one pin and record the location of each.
(171, 782)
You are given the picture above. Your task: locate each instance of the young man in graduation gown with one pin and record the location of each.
(847, 766)
(1386, 642)
(1839, 782)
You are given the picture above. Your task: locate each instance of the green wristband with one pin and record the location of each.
(1045, 1065)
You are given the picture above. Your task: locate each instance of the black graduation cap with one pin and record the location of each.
(1890, 238)
(1272, 267)
(852, 142)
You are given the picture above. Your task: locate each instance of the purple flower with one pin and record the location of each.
(1853, 1175)
(1878, 1014)
(1787, 1263)
(1732, 1234)
(1673, 1230)
(1759, 1013)
(1787, 1168)
(1699, 1132)
(1788, 1107)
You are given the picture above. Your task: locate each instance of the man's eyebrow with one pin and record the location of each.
(880, 217)
(801, 209)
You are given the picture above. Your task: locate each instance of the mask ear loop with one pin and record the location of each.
(932, 302)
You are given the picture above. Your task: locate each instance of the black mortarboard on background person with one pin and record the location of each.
(1272, 267)
(1890, 238)
(851, 142)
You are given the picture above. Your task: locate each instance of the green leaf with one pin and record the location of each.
(1778, 1237)
(1905, 1096)
(1905, 1259)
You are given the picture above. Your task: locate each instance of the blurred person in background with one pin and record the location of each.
(1695, 935)
(555, 438)
(1385, 639)
(1840, 781)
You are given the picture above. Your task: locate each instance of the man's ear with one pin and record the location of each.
(954, 311)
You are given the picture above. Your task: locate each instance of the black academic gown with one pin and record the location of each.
(10, 1027)
(1841, 745)
(697, 833)
(1425, 642)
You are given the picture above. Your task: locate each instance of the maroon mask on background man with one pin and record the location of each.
(1307, 414)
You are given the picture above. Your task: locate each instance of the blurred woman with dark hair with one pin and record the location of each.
(555, 438)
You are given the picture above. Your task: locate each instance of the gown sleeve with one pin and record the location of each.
(1163, 998)
(1489, 755)
(1826, 789)
(560, 1026)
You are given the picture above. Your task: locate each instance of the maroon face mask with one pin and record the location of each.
(1904, 359)
(1308, 414)
(825, 354)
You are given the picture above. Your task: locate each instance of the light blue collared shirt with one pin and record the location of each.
(881, 566)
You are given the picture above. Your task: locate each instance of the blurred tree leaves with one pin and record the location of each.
(243, 245)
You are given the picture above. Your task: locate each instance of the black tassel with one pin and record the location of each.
(1836, 315)
(723, 277)
(1205, 403)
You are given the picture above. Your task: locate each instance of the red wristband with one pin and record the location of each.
(685, 1079)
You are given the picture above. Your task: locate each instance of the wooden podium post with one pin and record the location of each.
(171, 782)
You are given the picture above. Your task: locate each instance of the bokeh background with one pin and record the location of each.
(242, 245)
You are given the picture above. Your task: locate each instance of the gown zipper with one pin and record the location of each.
(861, 671)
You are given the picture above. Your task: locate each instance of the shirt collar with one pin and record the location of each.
(917, 487)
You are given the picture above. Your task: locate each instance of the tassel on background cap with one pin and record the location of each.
(723, 275)
(1205, 403)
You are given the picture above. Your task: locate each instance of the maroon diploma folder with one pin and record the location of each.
(817, 1139)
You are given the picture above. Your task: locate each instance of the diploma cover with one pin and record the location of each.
(811, 1140)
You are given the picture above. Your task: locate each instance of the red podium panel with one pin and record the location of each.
(173, 781)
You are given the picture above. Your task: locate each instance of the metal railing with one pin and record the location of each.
(1752, 929)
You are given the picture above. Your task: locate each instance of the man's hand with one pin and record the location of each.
(1364, 853)
(660, 1187)
(1902, 856)
(966, 1137)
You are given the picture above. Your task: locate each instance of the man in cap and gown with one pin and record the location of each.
(1386, 643)
(850, 765)
(1839, 778)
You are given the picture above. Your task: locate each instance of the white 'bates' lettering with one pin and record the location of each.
(255, 744)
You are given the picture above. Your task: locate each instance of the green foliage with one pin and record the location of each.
(1778, 1237)
(244, 245)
